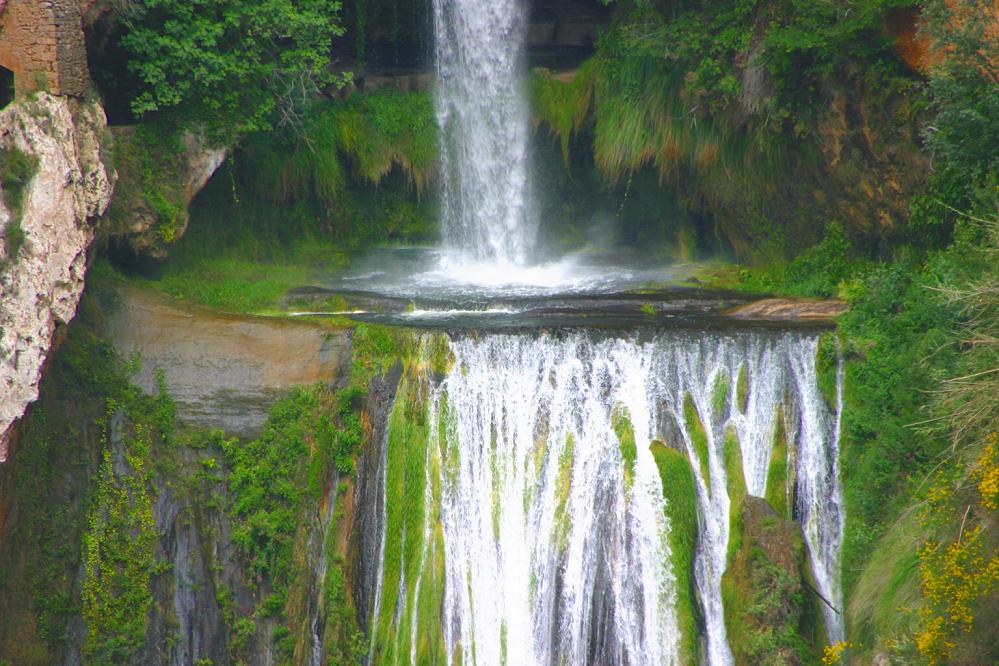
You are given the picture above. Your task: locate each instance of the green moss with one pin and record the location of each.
(405, 549)
(273, 481)
(151, 169)
(16, 171)
(766, 609)
(734, 598)
(563, 484)
(776, 491)
(119, 557)
(698, 436)
(719, 394)
(343, 642)
(376, 348)
(17, 168)
(621, 422)
(84, 498)
(50, 476)
(681, 510)
(742, 387)
(827, 366)
(119, 545)
(736, 489)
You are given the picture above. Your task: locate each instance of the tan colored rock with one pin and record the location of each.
(41, 286)
(222, 370)
(790, 309)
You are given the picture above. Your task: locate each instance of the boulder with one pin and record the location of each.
(770, 609)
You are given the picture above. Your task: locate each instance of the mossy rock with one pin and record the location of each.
(719, 394)
(621, 423)
(736, 481)
(768, 609)
(698, 436)
(776, 490)
(681, 510)
(742, 387)
(827, 367)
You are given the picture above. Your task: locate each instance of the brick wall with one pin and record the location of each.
(42, 42)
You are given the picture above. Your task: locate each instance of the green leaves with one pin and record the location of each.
(230, 66)
(965, 90)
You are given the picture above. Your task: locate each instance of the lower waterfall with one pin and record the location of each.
(525, 518)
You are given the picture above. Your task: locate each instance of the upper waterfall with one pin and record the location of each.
(486, 205)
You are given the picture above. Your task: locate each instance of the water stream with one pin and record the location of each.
(487, 217)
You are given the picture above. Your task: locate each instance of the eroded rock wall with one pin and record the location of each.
(40, 285)
(158, 183)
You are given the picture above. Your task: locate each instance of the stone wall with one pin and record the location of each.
(42, 42)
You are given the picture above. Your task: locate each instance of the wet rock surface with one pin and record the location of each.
(367, 525)
(669, 307)
(222, 370)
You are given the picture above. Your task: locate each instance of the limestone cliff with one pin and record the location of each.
(158, 181)
(41, 282)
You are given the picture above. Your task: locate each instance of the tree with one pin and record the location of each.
(965, 86)
(227, 67)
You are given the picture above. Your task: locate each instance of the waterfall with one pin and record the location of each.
(819, 503)
(484, 121)
(527, 530)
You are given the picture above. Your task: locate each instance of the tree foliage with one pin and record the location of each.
(964, 135)
(230, 66)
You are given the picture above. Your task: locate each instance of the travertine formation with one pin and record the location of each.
(40, 287)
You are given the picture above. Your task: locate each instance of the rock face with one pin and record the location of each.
(74, 462)
(157, 184)
(223, 371)
(40, 286)
(790, 309)
(770, 611)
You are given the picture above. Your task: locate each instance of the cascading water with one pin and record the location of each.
(523, 517)
(819, 504)
(486, 211)
(520, 529)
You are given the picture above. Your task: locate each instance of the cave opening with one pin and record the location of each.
(6, 86)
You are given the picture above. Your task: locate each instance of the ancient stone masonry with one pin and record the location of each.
(42, 42)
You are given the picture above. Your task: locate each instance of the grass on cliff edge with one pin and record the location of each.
(232, 285)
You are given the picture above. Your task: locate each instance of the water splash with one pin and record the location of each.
(484, 121)
(544, 544)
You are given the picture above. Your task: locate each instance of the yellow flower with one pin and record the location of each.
(833, 654)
